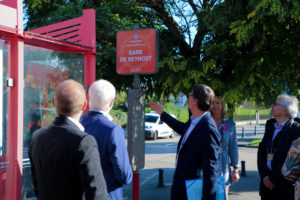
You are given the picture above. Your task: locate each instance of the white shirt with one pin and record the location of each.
(194, 123)
(77, 123)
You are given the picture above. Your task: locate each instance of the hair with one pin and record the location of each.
(223, 111)
(290, 103)
(101, 93)
(205, 96)
(69, 98)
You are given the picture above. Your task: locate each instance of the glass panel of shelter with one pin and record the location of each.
(43, 70)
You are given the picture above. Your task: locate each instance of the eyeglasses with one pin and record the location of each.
(190, 95)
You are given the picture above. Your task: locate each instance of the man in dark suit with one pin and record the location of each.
(110, 138)
(279, 133)
(65, 160)
(197, 150)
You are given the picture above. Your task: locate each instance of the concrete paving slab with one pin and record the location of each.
(160, 154)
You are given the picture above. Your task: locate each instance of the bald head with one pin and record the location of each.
(69, 98)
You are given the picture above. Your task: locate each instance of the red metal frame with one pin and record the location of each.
(74, 36)
(6, 31)
(80, 30)
(10, 3)
(15, 120)
(15, 110)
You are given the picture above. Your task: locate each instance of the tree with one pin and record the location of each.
(272, 27)
(204, 51)
(240, 48)
(111, 17)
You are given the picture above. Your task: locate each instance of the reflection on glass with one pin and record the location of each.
(43, 70)
(4, 49)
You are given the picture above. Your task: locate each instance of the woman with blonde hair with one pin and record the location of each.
(228, 147)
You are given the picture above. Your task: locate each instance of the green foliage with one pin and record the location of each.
(271, 28)
(244, 50)
(180, 113)
(147, 109)
(119, 110)
(255, 142)
(119, 117)
(120, 102)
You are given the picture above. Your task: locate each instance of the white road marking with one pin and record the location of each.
(149, 178)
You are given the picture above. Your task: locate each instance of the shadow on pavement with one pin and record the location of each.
(149, 189)
(248, 183)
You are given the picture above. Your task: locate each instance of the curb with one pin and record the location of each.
(242, 123)
(248, 146)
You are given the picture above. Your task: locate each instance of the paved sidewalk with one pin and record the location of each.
(246, 188)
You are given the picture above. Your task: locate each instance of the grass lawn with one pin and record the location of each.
(240, 111)
(254, 142)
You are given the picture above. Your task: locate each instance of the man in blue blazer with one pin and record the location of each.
(110, 138)
(65, 160)
(197, 150)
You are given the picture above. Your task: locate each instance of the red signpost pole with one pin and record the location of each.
(136, 186)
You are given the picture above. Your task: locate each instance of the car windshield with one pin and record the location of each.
(151, 118)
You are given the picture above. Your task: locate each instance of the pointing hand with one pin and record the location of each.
(158, 108)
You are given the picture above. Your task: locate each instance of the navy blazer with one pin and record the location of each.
(112, 147)
(281, 145)
(198, 156)
(65, 163)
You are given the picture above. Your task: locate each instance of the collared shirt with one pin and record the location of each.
(194, 123)
(278, 128)
(109, 117)
(77, 123)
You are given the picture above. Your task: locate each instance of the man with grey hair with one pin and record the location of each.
(280, 131)
(110, 138)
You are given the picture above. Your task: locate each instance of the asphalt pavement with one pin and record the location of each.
(160, 154)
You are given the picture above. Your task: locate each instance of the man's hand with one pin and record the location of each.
(158, 108)
(268, 183)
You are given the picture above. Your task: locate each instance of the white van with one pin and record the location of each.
(155, 128)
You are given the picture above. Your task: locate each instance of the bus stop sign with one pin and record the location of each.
(137, 51)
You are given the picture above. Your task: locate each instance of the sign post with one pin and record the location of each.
(137, 53)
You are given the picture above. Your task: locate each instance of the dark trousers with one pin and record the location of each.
(284, 192)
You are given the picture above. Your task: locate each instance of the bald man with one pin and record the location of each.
(65, 161)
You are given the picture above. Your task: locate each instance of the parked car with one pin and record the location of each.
(155, 128)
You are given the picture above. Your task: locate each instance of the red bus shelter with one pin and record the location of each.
(32, 63)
